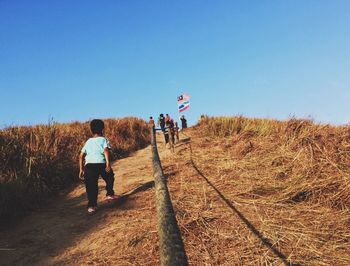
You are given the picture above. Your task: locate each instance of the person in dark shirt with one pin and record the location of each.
(161, 122)
(183, 122)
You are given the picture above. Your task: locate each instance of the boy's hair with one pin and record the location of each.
(97, 126)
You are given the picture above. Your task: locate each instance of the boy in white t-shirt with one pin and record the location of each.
(96, 154)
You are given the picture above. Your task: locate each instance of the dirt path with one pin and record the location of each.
(62, 233)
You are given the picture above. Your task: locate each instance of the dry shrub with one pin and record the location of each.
(40, 160)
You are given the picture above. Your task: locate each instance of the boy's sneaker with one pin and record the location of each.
(91, 210)
(112, 197)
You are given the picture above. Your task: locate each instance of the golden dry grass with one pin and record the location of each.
(40, 160)
(284, 199)
(288, 181)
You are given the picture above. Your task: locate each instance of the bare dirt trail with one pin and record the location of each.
(120, 233)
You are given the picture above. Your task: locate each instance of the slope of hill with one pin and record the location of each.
(120, 233)
(245, 192)
(284, 192)
(38, 161)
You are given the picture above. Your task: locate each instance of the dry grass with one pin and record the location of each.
(304, 160)
(285, 183)
(38, 161)
(289, 180)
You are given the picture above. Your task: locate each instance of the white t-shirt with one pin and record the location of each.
(94, 150)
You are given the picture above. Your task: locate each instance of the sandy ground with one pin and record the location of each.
(63, 234)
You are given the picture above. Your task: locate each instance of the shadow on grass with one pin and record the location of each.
(122, 200)
(183, 142)
(250, 226)
(44, 234)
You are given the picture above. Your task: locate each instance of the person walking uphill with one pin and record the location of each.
(183, 122)
(161, 122)
(97, 163)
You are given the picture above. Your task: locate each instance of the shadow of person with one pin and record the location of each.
(124, 197)
(48, 232)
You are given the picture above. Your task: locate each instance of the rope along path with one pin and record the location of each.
(172, 251)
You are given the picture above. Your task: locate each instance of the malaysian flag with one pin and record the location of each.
(183, 102)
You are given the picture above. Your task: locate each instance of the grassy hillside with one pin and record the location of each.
(286, 184)
(245, 192)
(305, 161)
(39, 161)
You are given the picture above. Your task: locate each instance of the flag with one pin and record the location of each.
(183, 102)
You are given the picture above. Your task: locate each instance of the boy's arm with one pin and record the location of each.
(106, 154)
(81, 165)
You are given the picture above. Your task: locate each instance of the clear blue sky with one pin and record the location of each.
(75, 60)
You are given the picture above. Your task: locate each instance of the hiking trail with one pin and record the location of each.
(63, 233)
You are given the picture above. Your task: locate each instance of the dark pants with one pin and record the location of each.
(166, 137)
(162, 126)
(91, 172)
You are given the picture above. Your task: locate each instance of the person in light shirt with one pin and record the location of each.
(96, 155)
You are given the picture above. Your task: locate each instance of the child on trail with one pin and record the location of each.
(97, 163)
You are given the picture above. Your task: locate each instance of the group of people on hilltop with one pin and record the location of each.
(167, 121)
(94, 159)
(166, 124)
